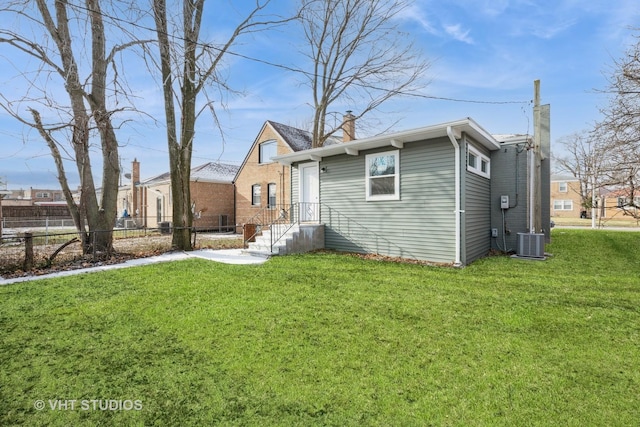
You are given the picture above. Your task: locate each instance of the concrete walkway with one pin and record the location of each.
(226, 256)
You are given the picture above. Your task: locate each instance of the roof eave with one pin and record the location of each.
(467, 125)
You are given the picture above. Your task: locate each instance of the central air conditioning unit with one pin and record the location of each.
(530, 245)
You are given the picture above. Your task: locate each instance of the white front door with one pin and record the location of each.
(309, 192)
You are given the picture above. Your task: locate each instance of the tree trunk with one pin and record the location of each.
(107, 212)
(179, 162)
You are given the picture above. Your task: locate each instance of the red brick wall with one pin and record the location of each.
(212, 200)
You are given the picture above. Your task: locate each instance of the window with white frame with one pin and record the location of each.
(563, 205)
(478, 163)
(42, 195)
(268, 150)
(256, 191)
(562, 187)
(383, 176)
(272, 195)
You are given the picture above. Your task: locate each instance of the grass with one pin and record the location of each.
(616, 221)
(328, 339)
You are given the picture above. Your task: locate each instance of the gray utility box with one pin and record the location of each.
(530, 245)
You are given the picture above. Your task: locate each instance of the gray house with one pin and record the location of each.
(435, 193)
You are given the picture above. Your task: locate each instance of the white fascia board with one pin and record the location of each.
(467, 125)
(397, 144)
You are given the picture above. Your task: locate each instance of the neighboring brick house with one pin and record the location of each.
(262, 183)
(617, 204)
(565, 197)
(34, 196)
(611, 203)
(149, 203)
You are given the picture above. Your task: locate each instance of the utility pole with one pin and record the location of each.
(535, 160)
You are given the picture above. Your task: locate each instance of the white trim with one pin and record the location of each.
(267, 143)
(253, 194)
(453, 137)
(477, 168)
(563, 202)
(397, 144)
(301, 167)
(424, 134)
(562, 184)
(396, 176)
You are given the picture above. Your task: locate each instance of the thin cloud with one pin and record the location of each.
(414, 13)
(458, 33)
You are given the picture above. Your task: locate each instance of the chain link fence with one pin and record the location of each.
(23, 250)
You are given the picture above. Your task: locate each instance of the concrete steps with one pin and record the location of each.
(296, 238)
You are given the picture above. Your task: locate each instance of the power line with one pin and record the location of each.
(297, 70)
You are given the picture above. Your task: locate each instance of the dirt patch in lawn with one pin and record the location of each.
(71, 257)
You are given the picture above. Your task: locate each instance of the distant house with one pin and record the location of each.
(447, 193)
(566, 201)
(35, 208)
(610, 202)
(619, 203)
(149, 203)
(35, 197)
(263, 186)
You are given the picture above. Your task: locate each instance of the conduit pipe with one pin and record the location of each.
(457, 211)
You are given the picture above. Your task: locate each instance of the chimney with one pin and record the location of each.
(135, 181)
(348, 127)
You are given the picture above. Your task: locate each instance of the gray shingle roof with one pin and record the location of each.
(210, 172)
(297, 139)
(220, 172)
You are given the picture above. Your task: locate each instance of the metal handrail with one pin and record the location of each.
(297, 213)
(264, 218)
(288, 216)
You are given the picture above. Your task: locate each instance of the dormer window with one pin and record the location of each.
(268, 150)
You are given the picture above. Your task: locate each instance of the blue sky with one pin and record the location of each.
(489, 51)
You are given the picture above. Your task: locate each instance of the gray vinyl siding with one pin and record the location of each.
(477, 213)
(421, 225)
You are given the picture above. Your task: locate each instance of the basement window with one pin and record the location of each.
(478, 163)
(383, 176)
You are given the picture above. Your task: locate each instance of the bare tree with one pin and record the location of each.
(620, 128)
(188, 66)
(56, 37)
(587, 161)
(358, 56)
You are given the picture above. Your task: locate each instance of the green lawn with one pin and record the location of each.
(330, 339)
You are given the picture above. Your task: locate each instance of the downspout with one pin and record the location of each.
(457, 211)
(532, 189)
